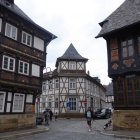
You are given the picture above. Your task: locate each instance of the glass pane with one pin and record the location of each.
(11, 67)
(29, 40)
(8, 30)
(21, 67)
(124, 43)
(24, 37)
(130, 50)
(125, 52)
(25, 68)
(130, 42)
(6, 62)
(14, 32)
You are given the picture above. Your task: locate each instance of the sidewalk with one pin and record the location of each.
(118, 133)
(25, 132)
(122, 134)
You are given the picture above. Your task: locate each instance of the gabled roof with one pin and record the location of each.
(127, 14)
(16, 10)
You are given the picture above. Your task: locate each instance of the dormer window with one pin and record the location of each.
(72, 65)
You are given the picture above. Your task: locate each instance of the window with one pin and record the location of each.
(23, 67)
(2, 101)
(72, 104)
(72, 83)
(18, 102)
(11, 31)
(44, 86)
(50, 84)
(43, 101)
(127, 48)
(26, 39)
(72, 65)
(56, 84)
(50, 103)
(8, 63)
(0, 24)
(56, 102)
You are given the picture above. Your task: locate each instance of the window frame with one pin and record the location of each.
(24, 63)
(8, 65)
(126, 50)
(72, 104)
(56, 102)
(56, 84)
(3, 102)
(72, 83)
(26, 38)
(50, 84)
(44, 86)
(72, 65)
(19, 101)
(11, 31)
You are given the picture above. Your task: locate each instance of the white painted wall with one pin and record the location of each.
(38, 43)
(35, 70)
(29, 98)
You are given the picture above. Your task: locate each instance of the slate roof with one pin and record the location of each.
(16, 10)
(71, 54)
(127, 14)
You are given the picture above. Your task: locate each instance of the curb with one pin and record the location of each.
(12, 136)
(120, 136)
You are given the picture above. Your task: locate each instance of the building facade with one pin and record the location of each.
(109, 96)
(22, 59)
(122, 34)
(69, 90)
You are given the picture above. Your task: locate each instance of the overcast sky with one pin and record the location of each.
(76, 22)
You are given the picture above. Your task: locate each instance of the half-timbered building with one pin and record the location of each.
(122, 34)
(69, 90)
(22, 59)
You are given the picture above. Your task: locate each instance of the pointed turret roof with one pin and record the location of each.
(71, 54)
(126, 15)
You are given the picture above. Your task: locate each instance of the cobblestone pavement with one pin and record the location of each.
(72, 129)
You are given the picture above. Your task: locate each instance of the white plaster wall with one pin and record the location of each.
(38, 43)
(35, 70)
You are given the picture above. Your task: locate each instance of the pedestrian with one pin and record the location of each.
(51, 114)
(46, 116)
(55, 116)
(89, 117)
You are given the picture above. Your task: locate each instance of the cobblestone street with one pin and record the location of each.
(72, 129)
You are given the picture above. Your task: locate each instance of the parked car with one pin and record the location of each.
(103, 113)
